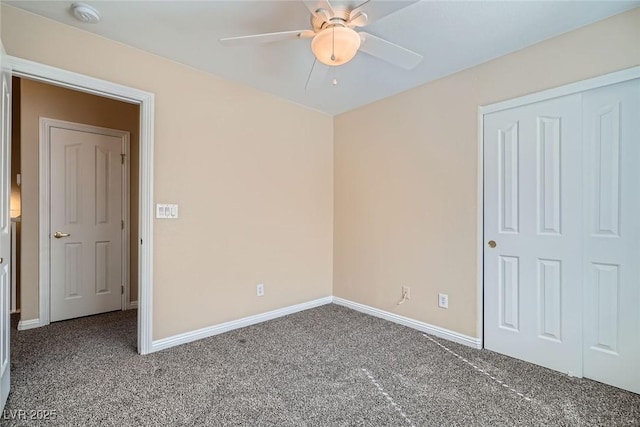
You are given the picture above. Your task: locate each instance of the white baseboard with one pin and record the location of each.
(210, 331)
(132, 305)
(23, 325)
(411, 323)
(198, 334)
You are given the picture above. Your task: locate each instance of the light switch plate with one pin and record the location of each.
(166, 211)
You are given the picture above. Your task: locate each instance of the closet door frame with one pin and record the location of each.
(569, 89)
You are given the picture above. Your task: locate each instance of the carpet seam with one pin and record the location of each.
(482, 371)
(387, 396)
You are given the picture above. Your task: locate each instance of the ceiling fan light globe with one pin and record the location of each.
(335, 45)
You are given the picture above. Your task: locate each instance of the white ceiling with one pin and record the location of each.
(452, 35)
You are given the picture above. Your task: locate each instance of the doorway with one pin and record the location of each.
(561, 220)
(144, 247)
(63, 144)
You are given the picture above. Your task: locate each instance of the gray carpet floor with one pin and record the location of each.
(328, 366)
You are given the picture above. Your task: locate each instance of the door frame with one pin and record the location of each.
(44, 216)
(568, 89)
(5, 151)
(146, 100)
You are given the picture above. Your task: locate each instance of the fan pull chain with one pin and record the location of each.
(333, 43)
(310, 72)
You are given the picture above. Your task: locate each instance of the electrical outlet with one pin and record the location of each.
(260, 289)
(443, 300)
(406, 292)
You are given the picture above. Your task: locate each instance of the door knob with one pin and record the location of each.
(59, 234)
(492, 244)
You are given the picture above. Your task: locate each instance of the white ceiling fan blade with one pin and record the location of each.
(374, 10)
(267, 38)
(359, 19)
(320, 7)
(387, 51)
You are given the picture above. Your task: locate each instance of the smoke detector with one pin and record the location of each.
(85, 13)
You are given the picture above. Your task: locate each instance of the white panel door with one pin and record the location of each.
(86, 227)
(532, 212)
(5, 230)
(612, 235)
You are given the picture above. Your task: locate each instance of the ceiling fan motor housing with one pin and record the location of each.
(340, 17)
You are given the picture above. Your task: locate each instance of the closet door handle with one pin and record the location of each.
(59, 234)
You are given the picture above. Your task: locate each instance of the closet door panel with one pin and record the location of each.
(611, 129)
(532, 212)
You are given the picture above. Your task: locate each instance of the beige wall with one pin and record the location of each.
(252, 175)
(43, 100)
(406, 173)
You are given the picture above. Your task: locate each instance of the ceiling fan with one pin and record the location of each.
(334, 39)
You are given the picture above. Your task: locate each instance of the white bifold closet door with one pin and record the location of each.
(611, 132)
(562, 228)
(533, 214)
